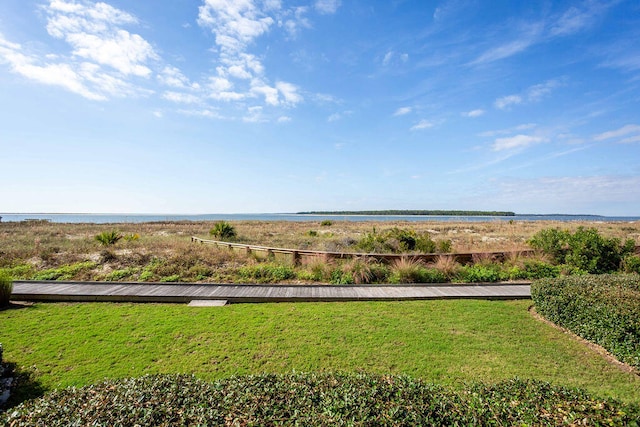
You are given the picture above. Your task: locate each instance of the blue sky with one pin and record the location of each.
(251, 106)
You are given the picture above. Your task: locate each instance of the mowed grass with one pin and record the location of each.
(445, 342)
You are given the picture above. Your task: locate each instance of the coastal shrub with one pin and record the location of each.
(6, 287)
(341, 277)
(396, 240)
(20, 271)
(631, 264)
(600, 308)
(326, 223)
(131, 237)
(320, 399)
(585, 250)
(267, 272)
(223, 230)
(117, 275)
(476, 273)
(108, 238)
(65, 272)
(408, 270)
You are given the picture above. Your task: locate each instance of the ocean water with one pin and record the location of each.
(137, 218)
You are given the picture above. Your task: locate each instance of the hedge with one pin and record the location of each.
(316, 400)
(604, 309)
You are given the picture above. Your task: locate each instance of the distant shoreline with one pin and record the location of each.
(413, 212)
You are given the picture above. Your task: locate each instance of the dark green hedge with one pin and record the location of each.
(604, 309)
(316, 400)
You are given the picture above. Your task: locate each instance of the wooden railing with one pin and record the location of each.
(297, 254)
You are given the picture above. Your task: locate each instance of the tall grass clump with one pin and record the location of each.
(223, 230)
(6, 287)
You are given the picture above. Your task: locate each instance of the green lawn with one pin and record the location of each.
(446, 342)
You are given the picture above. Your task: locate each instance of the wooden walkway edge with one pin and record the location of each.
(251, 293)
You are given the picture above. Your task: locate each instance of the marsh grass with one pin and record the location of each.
(445, 342)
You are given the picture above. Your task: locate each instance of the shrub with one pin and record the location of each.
(326, 223)
(631, 264)
(65, 272)
(477, 273)
(267, 272)
(108, 238)
(603, 309)
(132, 237)
(583, 251)
(396, 240)
(6, 287)
(317, 400)
(223, 230)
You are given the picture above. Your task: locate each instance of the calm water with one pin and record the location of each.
(124, 218)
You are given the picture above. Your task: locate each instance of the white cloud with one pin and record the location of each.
(526, 34)
(284, 119)
(507, 101)
(402, 111)
(183, 98)
(630, 140)
(623, 131)
(516, 141)
(289, 93)
(518, 128)
(94, 32)
(474, 113)
(103, 56)
(173, 77)
(339, 116)
(533, 93)
(422, 124)
(539, 91)
(396, 58)
(236, 25)
(327, 6)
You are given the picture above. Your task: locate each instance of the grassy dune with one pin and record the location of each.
(163, 250)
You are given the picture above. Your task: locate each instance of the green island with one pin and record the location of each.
(412, 212)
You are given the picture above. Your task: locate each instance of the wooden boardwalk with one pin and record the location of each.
(251, 293)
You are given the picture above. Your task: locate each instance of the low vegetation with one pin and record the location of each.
(603, 309)
(6, 287)
(155, 252)
(583, 251)
(448, 342)
(317, 400)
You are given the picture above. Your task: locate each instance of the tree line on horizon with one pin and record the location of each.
(412, 212)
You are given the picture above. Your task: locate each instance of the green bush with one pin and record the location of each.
(6, 287)
(223, 230)
(631, 264)
(583, 251)
(267, 272)
(396, 240)
(326, 223)
(108, 238)
(317, 400)
(476, 273)
(603, 309)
